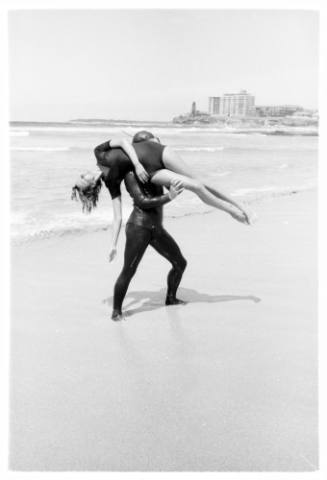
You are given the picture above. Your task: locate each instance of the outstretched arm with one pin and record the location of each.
(116, 226)
(143, 201)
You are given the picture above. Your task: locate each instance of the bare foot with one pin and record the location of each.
(240, 217)
(175, 301)
(117, 316)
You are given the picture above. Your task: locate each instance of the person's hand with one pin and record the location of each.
(112, 253)
(177, 183)
(175, 190)
(141, 173)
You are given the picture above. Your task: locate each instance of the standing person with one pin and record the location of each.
(144, 227)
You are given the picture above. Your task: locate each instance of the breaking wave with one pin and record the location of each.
(199, 149)
(25, 228)
(40, 149)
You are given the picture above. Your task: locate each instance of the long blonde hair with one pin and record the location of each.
(87, 194)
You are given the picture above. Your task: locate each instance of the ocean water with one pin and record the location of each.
(47, 158)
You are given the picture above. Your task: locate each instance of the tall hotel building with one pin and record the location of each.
(214, 105)
(233, 104)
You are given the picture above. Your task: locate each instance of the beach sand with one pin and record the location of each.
(227, 382)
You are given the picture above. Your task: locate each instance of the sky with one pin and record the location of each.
(151, 64)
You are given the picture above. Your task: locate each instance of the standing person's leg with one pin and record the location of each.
(137, 240)
(165, 177)
(166, 246)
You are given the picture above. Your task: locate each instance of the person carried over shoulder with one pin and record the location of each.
(147, 156)
(151, 161)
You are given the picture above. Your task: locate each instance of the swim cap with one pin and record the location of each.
(142, 136)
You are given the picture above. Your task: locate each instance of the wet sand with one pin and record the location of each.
(227, 382)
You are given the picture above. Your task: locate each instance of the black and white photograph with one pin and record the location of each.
(163, 170)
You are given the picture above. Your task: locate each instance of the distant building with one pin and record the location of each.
(214, 105)
(233, 104)
(193, 110)
(237, 104)
(277, 110)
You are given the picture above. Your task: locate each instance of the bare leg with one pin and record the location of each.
(165, 177)
(175, 163)
(178, 165)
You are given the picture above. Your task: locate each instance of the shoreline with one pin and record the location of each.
(252, 202)
(237, 126)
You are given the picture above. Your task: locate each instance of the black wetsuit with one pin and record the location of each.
(149, 154)
(144, 228)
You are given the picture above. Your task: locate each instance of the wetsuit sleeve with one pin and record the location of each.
(100, 152)
(140, 199)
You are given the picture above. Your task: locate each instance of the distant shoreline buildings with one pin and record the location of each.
(242, 104)
(240, 107)
(277, 110)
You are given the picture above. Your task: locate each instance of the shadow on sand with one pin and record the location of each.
(154, 300)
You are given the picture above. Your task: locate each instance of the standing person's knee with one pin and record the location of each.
(181, 264)
(127, 274)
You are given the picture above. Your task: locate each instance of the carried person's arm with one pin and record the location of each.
(116, 226)
(145, 202)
